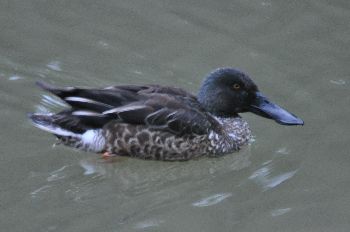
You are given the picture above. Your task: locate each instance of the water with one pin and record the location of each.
(289, 179)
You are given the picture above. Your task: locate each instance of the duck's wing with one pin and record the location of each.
(158, 107)
(97, 100)
(176, 114)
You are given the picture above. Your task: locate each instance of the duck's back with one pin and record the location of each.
(156, 106)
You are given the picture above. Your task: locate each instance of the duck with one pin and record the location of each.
(155, 122)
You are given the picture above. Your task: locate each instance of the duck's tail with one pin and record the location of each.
(89, 140)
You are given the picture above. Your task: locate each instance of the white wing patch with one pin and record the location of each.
(85, 113)
(56, 130)
(124, 109)
(86, 100)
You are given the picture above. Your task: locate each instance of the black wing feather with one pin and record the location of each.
(158, 107)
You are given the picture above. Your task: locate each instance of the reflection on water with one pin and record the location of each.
(138, 176)
(90, 168)
(263, 177)
(288, 179)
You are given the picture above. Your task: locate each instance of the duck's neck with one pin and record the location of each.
(215, 106)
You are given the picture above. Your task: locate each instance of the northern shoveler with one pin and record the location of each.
(159, 122)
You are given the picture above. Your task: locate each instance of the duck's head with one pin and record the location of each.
(227, 92)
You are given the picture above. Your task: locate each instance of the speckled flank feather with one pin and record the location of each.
(145, 143)
(142, 142)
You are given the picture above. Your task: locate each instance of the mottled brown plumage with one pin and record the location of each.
(142, 142)
(159, 122)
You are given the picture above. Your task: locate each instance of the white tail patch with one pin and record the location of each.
(88, 136)
(90, 140)
(94, 140)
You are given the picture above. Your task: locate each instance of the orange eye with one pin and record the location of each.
(236, 86)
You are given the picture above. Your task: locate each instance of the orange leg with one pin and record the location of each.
(107, 155)
(110, 157)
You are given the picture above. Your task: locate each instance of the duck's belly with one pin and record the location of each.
(142, 142)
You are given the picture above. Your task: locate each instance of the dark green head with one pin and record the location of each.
(227, 92)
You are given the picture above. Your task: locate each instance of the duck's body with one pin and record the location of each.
(157, 122)
(142, 142)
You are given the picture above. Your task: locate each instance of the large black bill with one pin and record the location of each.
(263, 107)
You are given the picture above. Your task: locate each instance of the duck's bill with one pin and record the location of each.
(263, 107)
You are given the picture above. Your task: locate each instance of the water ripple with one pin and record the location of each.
(54, 65)
(338, 82)
(42, 189)
(15, 78)
(148, 223)
(279, 212)
(57, 174)
(283, 151)
(212, 200)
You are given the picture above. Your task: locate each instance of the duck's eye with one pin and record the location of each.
(236, 86)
